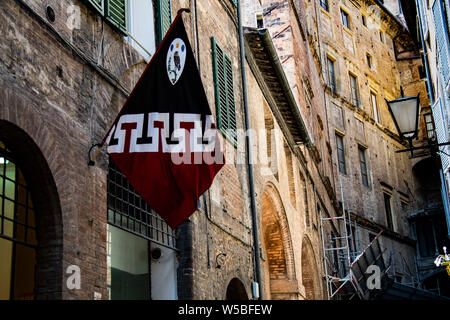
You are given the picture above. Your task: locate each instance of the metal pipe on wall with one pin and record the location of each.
(249, 155)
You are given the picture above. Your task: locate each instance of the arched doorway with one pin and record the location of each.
(30, 221)
(280, 281)
(310, 276)
(236, 290)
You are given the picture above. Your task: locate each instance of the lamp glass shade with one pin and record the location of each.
(405, 113)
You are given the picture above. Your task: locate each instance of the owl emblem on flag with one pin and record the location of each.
(176, 58)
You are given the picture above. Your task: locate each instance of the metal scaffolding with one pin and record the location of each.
(339, 252)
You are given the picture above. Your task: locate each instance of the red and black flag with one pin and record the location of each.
(164, 140)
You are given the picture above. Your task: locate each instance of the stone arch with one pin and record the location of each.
(310, 274)
(280, 278)
(236, 290)
(44, 195)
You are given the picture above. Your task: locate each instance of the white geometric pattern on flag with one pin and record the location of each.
(198, 141)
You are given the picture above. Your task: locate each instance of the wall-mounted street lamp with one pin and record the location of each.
(443, 261)
(405, 112)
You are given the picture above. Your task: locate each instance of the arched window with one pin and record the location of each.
(18, 241)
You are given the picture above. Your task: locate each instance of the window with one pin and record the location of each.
(259, 21)
(376, 112)
(224, 92)
(128, 266)
(381, 36)
(354, 90)
(422, 72)
(135, 236)
(115, 12)
(364, 20)
(363, 162)
(18, 241)
(142, 27)
(425, 238)
(345, 19)
(324, 4)
(118, 12)
(353, 240)
(163, 17)
(430, 125)
(369, 60)
(305, 198)
(335, 258)
(290, 171)
(341, 154)
(388, 211)
(331, 74)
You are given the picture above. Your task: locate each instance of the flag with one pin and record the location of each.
(164, 139)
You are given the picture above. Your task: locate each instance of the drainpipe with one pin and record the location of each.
(249, 155)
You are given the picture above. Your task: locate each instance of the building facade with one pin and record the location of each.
(433, 35)
(428, 20)
(67, 68)
(323, 147)
(365, 56)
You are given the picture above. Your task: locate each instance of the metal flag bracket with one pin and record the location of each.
(91, 161)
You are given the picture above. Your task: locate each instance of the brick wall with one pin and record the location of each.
(63, 105)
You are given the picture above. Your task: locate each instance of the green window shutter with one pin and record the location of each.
(117, 13)
(224, 92)
(234, 2)
(164, 18)
(98, 5)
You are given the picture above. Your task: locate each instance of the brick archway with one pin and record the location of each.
(280, 278)
(310, 275)
(44, 195)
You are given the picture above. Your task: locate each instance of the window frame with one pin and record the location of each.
(362, 152)
(325, 5)
(18, 224)
(103, 8)
(226, 115)
(331, 73)
(389, 215)
(433, 130)
(28, 205)
(364, 20)
(340, 148)
(369, 61)
(134, 215)
(259, 17)
(345, 22)
(143, 218)
(162, 27)
(374, 107)
(354, 90)
(109, 246)
(144, 44)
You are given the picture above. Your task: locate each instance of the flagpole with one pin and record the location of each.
(99, 146)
